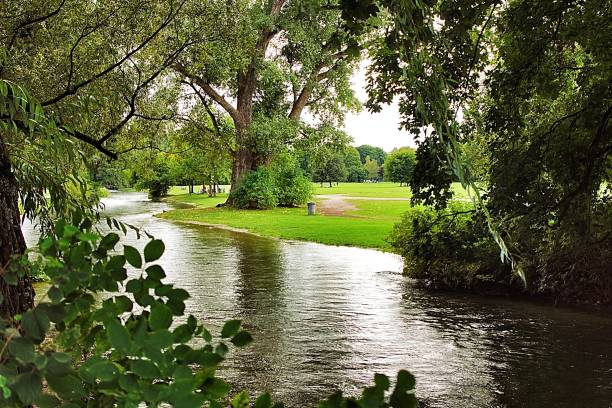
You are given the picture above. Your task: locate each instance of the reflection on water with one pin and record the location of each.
(328, 317)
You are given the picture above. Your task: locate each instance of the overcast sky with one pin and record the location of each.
(376, 129)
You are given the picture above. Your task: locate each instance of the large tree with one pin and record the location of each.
(535, 78)
(284, 56)
(92, 71)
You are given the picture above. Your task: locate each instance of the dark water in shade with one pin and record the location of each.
(327, 318)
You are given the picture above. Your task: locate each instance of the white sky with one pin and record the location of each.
(377, 129)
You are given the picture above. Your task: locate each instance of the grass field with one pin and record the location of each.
(293, 223)
(381, 190)
(366, 226)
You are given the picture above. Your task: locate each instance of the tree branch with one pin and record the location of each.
(73, 89)
(210, 91)
(32, 22)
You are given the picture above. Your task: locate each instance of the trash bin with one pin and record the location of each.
(311, 208)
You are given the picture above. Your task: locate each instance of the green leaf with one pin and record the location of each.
(242, 339)
(218, 388)
(28, 387)
(104, 371)
(133, 286)
(6, 391)
(144, 369)
(263, 401)
(241, 400)
(116, 262)
(221, 349)
(155, 272)
(160, 317)
(382, 381)
(55, 294)
(35, 325)
(230, 328)
(47, 401)
(132, 256)
(118, 336)
(159, 339)
(154, 250)
(22, 349)
(206, 335)
(403, 394)
(66, 386)
(109, 241)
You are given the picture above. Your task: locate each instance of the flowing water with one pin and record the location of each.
(327, 318)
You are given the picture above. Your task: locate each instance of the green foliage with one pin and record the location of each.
(44, 162)
(124, 350)
(372, 168)
(292, 187)
(402, 395)
(449, 248)
(356, 173)
(154, 175)
(399, 165)
(257, 190)
(329, 168)
(374, 153)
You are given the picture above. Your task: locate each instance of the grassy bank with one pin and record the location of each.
(367, 225)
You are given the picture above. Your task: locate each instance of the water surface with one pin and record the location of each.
(327, 318)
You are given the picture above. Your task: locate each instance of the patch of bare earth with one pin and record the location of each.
(335, 205)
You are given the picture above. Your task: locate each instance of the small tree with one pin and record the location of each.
(330, 169)
(356, 173)
(371, 168)
(399, 165)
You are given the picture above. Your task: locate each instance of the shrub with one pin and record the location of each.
(292, 187)
(126, 350)
(257, 190)
(157, 181)
(449, 248)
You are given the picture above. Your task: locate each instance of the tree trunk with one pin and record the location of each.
(243, 161)
(19, 298)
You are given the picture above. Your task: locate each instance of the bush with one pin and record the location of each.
(127, 350)
(292, 187)
(257, 190)
(155, 177)
(449, 248)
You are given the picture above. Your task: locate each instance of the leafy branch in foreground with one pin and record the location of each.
(102, 337)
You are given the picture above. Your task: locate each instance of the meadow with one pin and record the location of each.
(368, 225)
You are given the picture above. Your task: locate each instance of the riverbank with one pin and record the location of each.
(350, 214)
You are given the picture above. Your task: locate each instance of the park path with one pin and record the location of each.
(334, 204)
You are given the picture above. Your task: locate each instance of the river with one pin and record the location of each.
(327, 318)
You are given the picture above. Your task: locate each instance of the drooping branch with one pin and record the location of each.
(74, 88)
(213, 118)
(89, 140)
(132, 101)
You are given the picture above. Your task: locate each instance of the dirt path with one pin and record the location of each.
(334, 204)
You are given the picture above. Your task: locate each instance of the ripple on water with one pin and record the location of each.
(327, 318)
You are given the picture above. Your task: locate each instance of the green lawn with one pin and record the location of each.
(382, 190)
(367, 226)
(180, 194)
(293, 223)
(388, 190)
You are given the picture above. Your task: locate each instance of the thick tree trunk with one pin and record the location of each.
(19, 298)
(243, 161)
